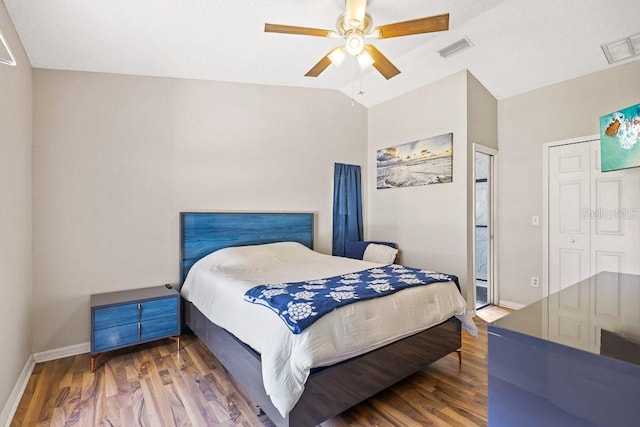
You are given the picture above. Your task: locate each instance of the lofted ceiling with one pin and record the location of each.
(518, 45)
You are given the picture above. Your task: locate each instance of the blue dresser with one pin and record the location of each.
(570, 359)
(126, 318)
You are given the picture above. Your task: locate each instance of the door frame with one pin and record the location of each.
(546, 147)
(492, 269)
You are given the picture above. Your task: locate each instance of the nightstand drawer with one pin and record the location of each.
(160, 327)
(115, 337)
(159, 308)
(109, 317)
(124, 318)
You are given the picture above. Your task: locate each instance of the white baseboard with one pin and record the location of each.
(11, 406)
(510, 304)
(59, 353)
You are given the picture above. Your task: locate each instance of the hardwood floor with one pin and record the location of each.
(492, 313)
(155, 385)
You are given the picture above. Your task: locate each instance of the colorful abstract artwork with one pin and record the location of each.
(620, 139)
(422, 162)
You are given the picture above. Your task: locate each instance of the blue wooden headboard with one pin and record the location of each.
(204, 232)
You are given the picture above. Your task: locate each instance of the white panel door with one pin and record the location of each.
(594, 226)
(615, 218)
(569, 207)
(594, 217)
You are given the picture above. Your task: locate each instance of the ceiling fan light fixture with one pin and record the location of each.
(354, 26)
(337, 55)
(365, 60)
(355, 43)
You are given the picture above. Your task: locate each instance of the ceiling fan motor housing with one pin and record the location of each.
(344, 27)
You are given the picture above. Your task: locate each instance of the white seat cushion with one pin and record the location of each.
(381, 254)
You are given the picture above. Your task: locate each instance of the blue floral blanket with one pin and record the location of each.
(302, 303)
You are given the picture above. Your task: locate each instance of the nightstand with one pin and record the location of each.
(125, 318)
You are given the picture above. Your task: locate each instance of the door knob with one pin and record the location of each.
(573, 240)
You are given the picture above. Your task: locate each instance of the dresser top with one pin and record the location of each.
(600, 315)
(132, 295)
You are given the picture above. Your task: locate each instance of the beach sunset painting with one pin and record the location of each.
(422, 162)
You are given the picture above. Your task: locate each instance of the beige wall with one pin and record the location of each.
(482, 122)
(482, 115)
(116, 158)
(429, 223)
(567, 110)
(15, 214)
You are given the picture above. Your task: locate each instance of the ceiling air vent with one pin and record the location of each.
(622, 49)
(456, 47)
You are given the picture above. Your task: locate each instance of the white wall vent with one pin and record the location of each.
(456, 47)
(621, 50)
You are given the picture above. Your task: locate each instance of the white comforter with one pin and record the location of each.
(216, 285)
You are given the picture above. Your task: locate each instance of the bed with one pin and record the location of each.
(301, 380)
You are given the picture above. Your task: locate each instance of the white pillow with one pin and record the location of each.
(257, 257)
(382, 254)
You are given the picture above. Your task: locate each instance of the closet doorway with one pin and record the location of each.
(592, 220)
(484, 195)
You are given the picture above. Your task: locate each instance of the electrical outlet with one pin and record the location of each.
(535, 282)
(535, 220)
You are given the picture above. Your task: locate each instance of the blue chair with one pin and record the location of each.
(356, 250)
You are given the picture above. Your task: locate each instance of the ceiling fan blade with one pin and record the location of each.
(319, 67)
(354, 11)
(416, 26)
(303, 31)
(381, 63)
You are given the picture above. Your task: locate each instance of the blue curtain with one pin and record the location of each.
(347, 206)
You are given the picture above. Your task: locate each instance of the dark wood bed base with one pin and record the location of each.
(328, 391)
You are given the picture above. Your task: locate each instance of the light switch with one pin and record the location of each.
(535, 220)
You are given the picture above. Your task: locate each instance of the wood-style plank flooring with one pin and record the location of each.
(492, 313)
(155, 385)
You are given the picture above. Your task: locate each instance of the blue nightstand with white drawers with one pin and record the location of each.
(125, 318)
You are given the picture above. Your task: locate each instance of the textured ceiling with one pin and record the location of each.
(519, 45)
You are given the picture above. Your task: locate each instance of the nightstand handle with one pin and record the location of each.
(139, 320)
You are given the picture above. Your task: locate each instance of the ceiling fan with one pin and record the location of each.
(355, 25)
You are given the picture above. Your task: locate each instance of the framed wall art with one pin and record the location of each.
(620, 139)
(422, 162)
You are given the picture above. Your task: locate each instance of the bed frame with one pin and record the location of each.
(328, 391)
